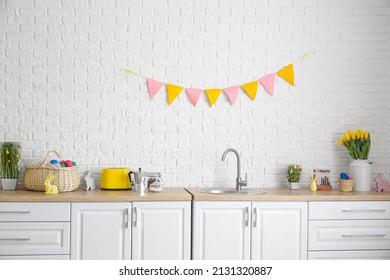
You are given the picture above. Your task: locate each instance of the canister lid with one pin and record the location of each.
(153, 174)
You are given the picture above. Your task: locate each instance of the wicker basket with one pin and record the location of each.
(346, 185)
(65, 178)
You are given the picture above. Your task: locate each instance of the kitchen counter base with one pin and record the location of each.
(283, 194)
(79, 195)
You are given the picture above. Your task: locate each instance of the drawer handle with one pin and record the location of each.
(15, 238)
(363, 210)
(15, 212)
(135, 217)
(127, 218)
(364, 235)
(246, 216)
(255, 217)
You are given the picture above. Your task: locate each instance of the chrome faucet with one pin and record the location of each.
(239, 182)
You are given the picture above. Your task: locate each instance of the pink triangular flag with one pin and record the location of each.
(268, 82)
(194, 94)
(154, 87)
(232, 93)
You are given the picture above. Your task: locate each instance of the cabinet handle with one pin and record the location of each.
(246, 216)
(347, 235)
(16, 212)
(15, 238)
(127, 218)
(255, 217)
(363, 210)
(135, 217)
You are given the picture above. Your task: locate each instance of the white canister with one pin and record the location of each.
(361, 172)
(293, 185)
(9, 184)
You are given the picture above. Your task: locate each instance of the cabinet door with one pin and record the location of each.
(279, 230)
(221, 230)
(161, 230)
(100, 231)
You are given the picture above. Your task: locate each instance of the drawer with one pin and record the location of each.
(36, 257)
(353, 210)
(34, 238)
(34, 212)
(349, 255)
(349, 235)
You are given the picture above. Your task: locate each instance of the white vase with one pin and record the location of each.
(361, 172)
(9, 184)
(293, 185)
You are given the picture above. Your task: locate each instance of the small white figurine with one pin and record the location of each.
(90, 182)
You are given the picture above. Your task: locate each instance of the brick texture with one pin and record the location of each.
(61, 84)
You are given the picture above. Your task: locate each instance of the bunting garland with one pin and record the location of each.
(213, 95)
(194, 94)
(232, 93)
(250, 89)
(268, 82)
(287, 73)
(173, 92)
(153, 87)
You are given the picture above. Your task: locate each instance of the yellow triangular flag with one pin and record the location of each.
(213, 95)
(287, 73)
(173, 92)
(251, 89)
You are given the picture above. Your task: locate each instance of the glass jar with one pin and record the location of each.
(154, 181)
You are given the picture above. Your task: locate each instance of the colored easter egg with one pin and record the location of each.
(344, 176)
(54, 161)
(62, 164)
(73, 163)
(68, 163)
(62, 161)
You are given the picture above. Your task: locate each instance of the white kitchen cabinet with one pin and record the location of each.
(161, 230)
(245, 230)
(349, 230)
(221, 230)
(279, 231)
(34, 230)
(101, 231)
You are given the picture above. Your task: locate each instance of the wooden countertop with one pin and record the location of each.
(181, 194)
(283, 194)
(79, 195)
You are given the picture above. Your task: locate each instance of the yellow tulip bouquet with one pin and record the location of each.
(358, 143)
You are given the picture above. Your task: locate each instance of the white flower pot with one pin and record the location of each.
(293, 185)
(9, 184)
(361, 172)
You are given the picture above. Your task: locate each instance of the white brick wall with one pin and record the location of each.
(61, 84)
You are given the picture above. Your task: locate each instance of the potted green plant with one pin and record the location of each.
(293, 174)
(9, 165)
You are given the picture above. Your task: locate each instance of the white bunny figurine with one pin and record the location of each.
(90, 182)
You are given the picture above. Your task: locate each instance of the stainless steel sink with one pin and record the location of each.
(230, 191)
